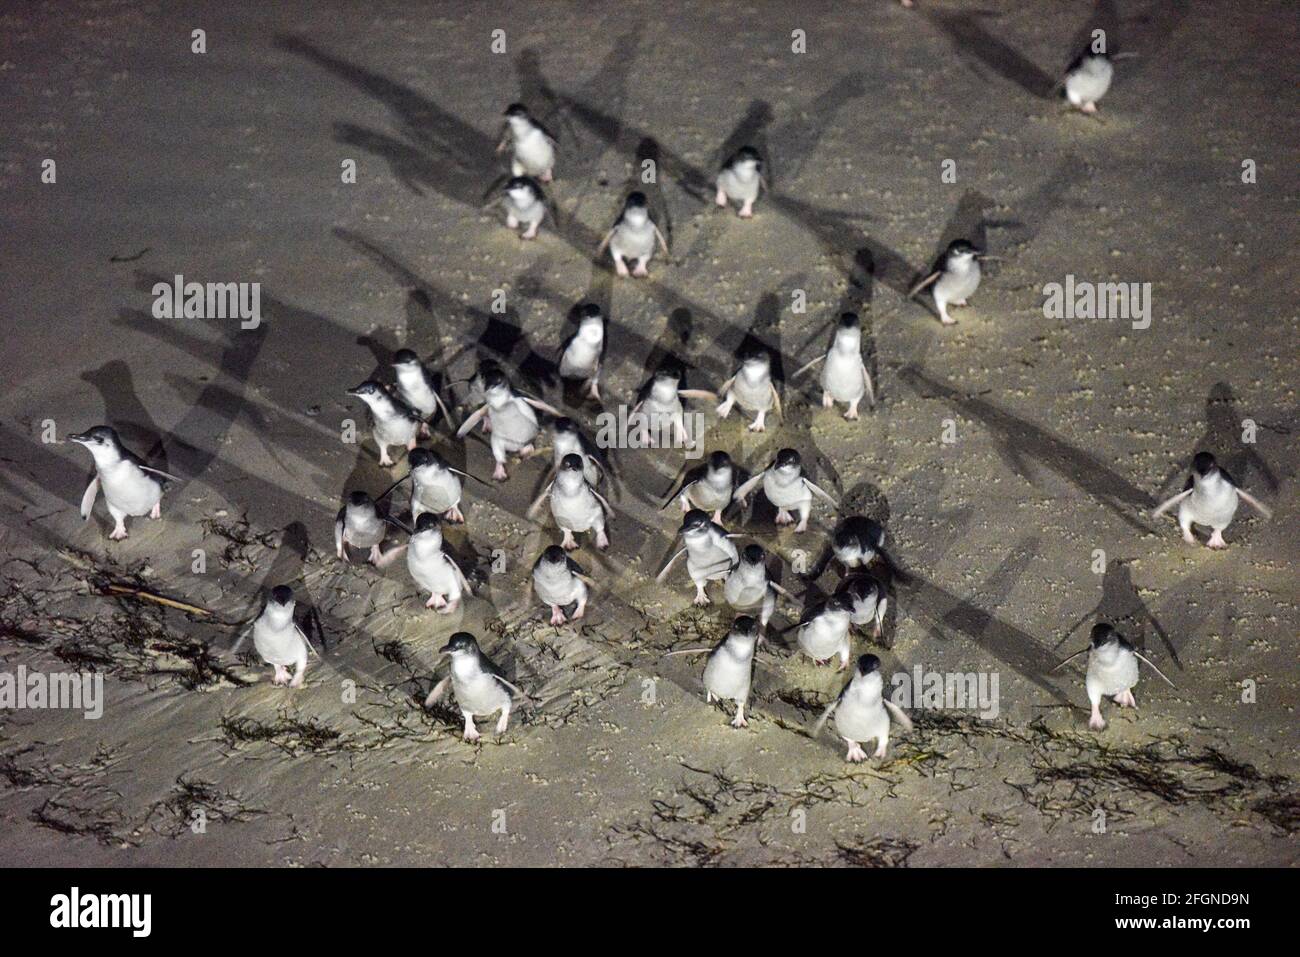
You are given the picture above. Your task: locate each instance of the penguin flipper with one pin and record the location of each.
(513, 687)
(88, 499)
(806, 366)
(668, 567)
(725, 387)
(338, 535)
(871, 389)
(1062, 664)
(166, 475)
(605, 242)
(743, 492)
(542, 406)
(386, 558)
(469, 475)
(460, 575)
(537, 503)
(1154, 668)
(439, 691)
(900, 717)
(820, 492)
(474, 418)
(248, 630)
(776, 401)
(442, 405)
(601, 499)
(1254, 503)
(924, 282)
(311, 649)
(698, 394)
(1170, 503)
(826, 716)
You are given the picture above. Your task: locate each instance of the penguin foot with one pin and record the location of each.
(375, 555)
(948, 320)
(118, 533)
(739, 721)
(569, 543)
(455, 515)
(640, 269)
(856, 753)
(784, 518)
(299, 679)
(424, 429)
(721, 198)
(503, 724)
(594, 390)
(435, 601)
(802, 526)
(1097, 722)
(512, 222)
(1089, 108)
(620, 267)
(852, 414)
(449, 607)
(717, 517)
(156, 511)
(880, 751)
(471, 734)
(548, 176)
(757, 425)
(499, 473)
(1216, 540)
(827, 401)
(557, 615)
(281, 676)
(1189, 538)
(602, 540)
(701, 599)
(580, 610)
(747, 210)
(530, 232)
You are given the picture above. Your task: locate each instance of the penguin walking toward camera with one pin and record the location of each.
(845, 377)
(1087, 79)
(131, 488)
(633, 237)
(584, 350)
(479, 686)
(560, 583)
(416, 387)
(710, 553)
(710, 487)
(393, 422)
(360, 525)
(432, 568)
(823, 630)
(662, 415)
(525, 204)
(575, 505)
(751, 388)
(748, 587)
(435, 486)
(788, 488)
(729, 670)
(567, 439)
(1209, 499)
(867, 602)
(956, 279)
(741, 179)
(862, 712)
(513, 419)
(533, 145)
(858, 541)
(1112, 671)
(278, 639)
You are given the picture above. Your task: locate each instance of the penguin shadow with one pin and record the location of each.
(382, 346)
(944, 614)
(1021, 443)
(979, 46)
(796, 139)
(1147, 33)
(423, 333)
(1224, 427)
(124, 411)
(1122, 606)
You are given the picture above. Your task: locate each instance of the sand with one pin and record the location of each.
(1005, 451)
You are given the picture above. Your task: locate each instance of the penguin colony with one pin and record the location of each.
(405, 412)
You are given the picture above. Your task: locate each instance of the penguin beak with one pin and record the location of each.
(356, 391)
(79, 438)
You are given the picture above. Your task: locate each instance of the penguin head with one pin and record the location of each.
(839, 602)
(405, 358)
(522, 189)
(1203, 464)
(634, 208)
(788, 460)
(565, 426)
(360, 500)
(461, 643)
(370, 389)
(571, 463)
(848, 332)
(746, 159)
(515, 110)
(695, 521)
(554, 555)
(591, 325)
(281, 595)
(867, 664)
(719, 461)
(753, 554)
(427, 522)
(961, 252)
(101, 441)
(420, 458)
(1102, 635)
(755, 359)
(496, 389)
(744, 630)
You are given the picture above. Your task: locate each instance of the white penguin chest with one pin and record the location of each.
(128, 489)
